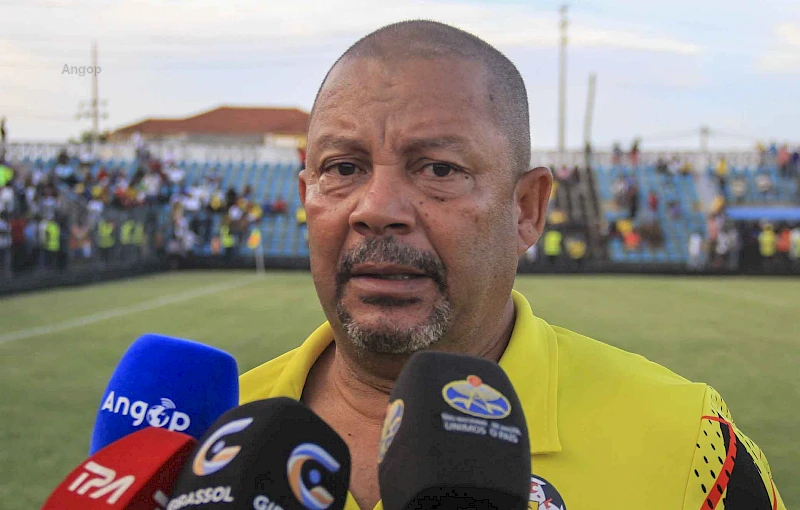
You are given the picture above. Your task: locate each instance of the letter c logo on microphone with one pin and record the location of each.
(222, 454)
(315, 498)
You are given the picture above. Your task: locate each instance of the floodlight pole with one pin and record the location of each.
(562, 83)
(587, 122)
(95, 108)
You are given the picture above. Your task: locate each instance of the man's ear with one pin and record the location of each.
(301, 185)
(532, 196)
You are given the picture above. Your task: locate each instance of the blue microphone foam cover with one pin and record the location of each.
(166, 382)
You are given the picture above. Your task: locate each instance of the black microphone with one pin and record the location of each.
(454, 437)
(269, 454)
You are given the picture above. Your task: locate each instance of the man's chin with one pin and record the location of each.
(394, 329)
(391, 341)
(390, 314)
(394, 325)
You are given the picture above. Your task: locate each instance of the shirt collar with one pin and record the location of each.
(530, 361)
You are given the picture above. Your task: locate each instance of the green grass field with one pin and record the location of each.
(739, 335)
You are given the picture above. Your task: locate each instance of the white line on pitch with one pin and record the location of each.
(122, 311)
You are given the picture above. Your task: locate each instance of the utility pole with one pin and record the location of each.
(704, 134)
(587, 122)
(562, 82)
(93, 111)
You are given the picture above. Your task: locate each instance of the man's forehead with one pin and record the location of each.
(412, 143)
(357, 79)
(418, 94)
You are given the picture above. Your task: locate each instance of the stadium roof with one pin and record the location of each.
(228, 120)
(764, 213)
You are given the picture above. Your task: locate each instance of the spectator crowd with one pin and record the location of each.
(79, 211)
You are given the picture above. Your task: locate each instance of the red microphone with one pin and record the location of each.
(133, 473)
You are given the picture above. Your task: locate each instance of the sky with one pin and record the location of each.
(663, 68)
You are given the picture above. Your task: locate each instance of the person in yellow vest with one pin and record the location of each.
(300, 216)
(105, 239)
(254, 213)
(576, 249)
(227, 241)
(420, 198)
(722, 173)
(127, 247)
(6, 174)
(552, 246)
(138, 235)
(52, 243)
(767, 246)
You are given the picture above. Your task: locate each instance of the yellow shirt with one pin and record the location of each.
(608, 429)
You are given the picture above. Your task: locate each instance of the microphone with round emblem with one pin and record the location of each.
(454, 437)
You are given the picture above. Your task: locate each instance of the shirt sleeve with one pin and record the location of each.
(728, 470)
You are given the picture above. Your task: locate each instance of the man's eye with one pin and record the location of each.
(441, 169)
(344, 169)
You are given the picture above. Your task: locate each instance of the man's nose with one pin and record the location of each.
(385, 207)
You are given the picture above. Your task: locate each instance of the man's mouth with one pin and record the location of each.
(387, 272)
(390, 276)
(386, 279)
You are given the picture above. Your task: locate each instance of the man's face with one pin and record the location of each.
(408, 192)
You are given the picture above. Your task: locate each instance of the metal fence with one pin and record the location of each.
(76, 238)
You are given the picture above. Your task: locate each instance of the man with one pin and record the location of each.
(767, 244)
(5, 244)
(3, 135)
(794, 252)
(695, 259)
(419, 201)
(722, 173)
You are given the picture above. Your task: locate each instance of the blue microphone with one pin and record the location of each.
(165, 382)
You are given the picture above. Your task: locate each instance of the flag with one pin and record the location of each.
(254, 240)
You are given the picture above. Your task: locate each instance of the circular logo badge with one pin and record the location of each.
(391, 424)
(544, 496)
(471, 396)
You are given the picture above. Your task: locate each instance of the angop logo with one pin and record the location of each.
(317, 497)
(105, 481)
(471, 396)
(160, 415)
(391, 424)
(222, 454)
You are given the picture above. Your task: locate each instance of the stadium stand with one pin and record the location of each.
(756, 186)
(209, 203)
(678, 212)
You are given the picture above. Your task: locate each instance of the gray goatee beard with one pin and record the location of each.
(388, 339)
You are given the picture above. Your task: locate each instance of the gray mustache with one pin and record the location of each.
(386, 250)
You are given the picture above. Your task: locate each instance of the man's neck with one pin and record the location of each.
(364, 391)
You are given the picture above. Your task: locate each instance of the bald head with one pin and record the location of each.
(505, 94)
